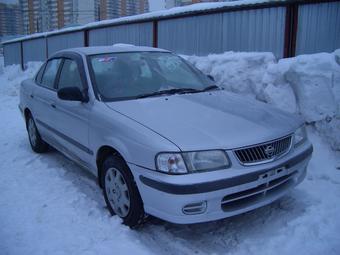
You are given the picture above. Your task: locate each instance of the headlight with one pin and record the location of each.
(171, 163)
(300, 136)
(188, 162)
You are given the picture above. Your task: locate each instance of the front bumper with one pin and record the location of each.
(209, 196)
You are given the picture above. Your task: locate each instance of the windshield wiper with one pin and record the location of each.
(177, 91)
(169, 92)
(212, 87)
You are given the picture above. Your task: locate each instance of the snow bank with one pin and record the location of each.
(250, 74)
(330, 131)
(1, 64)
(237, 72)
(14, 75)
(308, 84)
(314, 79)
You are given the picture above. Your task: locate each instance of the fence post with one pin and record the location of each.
(22, 57)
(291, 27)
(86, 38)
(155, 34)
(294, 28)
(46, 42)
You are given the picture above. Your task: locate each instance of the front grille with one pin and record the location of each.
(263, 152)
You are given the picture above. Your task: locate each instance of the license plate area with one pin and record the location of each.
(273, 174)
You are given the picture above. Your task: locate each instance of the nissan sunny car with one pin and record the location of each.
(160, 136)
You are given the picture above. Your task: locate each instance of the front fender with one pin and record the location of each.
(136, 143)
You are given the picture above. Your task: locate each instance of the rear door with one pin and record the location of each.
(44, 98)
(72, 116)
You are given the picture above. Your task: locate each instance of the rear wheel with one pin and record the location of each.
(120, 192)
(37, 143)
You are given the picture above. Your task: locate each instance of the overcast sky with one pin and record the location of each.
(155, 5)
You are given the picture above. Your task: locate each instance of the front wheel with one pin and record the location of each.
(37, 143)
(120, 192)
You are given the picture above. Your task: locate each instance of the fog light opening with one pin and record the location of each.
(195, 208)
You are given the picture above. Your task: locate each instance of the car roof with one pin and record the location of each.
(116, 48)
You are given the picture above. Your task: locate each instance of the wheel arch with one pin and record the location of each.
(103, 152)
(27, 113)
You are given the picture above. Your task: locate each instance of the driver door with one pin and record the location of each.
(72, 117)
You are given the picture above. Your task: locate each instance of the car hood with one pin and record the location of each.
(210, 120)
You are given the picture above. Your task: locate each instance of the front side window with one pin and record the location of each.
(120, 76)
(50, 73)
(69, 75)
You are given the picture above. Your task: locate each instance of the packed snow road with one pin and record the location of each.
(48, 205)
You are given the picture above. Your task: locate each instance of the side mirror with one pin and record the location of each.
(71, 94)
(211, 77)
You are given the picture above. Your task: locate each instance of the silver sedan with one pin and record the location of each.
(161, 137)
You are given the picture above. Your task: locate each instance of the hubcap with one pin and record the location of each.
(32, 132)
(117, 192)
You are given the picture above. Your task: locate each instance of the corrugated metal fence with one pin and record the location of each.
(286, 28)
(64, 41)
(318, 28)
(245, 30)
(137, 34)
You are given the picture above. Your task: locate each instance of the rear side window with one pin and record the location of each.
(50, 73)
(70, 76)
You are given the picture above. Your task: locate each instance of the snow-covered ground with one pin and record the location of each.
(1, 63)
(48, 205)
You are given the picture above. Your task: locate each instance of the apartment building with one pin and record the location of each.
(175, 3)
(110, 9)
(10, 20)
(47, 15)
(30, 15)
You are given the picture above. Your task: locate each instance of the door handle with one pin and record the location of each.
(53, 106)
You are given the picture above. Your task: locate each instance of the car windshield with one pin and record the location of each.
(120, 76)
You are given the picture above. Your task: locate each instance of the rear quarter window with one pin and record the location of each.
(39, 74)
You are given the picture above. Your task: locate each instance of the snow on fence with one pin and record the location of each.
(284, 27)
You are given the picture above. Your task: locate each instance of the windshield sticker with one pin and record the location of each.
(107, 59)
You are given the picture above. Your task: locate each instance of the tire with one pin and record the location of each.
(38, 145)
(120, 192)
